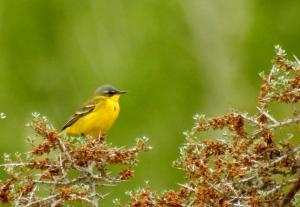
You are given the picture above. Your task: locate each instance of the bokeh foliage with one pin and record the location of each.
(175, 57)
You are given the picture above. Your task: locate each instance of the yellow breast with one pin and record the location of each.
(99, 121)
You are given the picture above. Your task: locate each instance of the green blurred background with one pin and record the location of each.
(176, 58)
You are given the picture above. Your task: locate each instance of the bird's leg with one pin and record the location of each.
(101, 137)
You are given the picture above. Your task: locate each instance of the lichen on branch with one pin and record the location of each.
(243, 164)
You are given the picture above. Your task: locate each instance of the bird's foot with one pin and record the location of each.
(101, 137)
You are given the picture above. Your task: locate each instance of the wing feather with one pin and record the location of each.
(83, 111)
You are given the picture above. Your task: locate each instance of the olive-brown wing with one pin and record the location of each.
(83, 111)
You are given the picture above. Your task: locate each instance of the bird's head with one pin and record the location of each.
(109, 91)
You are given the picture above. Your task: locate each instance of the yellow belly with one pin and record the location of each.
(99, 121)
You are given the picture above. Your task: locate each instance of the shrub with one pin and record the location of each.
(241, 159)
(59, 170)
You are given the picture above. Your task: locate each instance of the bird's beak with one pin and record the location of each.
(121, 92)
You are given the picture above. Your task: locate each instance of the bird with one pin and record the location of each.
(97, 115)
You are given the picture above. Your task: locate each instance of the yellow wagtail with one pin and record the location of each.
(97, 116)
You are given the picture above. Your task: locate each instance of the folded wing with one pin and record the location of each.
(83, 111)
